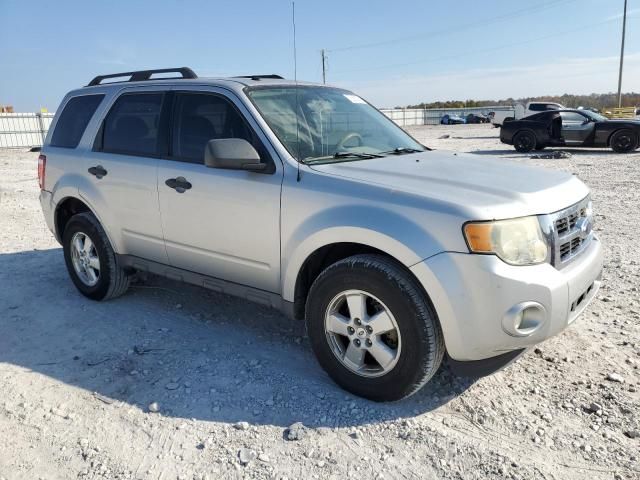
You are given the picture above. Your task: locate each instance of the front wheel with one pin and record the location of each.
(524, 141)
(373, 329)
(624, 141)
(90, 259)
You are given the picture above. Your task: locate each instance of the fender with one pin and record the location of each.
(400, 237)
(74, 185)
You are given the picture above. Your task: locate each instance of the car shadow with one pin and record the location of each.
(573, 151)
(198, 354)
(511, 153)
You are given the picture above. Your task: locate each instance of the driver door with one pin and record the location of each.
(576, 128)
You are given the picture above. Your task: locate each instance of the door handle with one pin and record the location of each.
(98, 171)
(179, 184)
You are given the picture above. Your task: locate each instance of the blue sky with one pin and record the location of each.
(391, 52)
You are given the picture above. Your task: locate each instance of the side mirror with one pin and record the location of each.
(232, 154)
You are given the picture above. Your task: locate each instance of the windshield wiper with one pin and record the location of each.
(401, 150)
(342, 155)
(356, 154)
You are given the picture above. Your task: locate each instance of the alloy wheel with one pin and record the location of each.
(362, 333)
(84, 258)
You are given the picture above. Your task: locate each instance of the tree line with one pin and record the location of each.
(601, 101)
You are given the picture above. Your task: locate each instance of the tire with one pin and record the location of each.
(524, 141)
(419, 341)
(624, 141)
(111, 280)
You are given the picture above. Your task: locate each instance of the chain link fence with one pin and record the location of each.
(406, 117)
(24, 130)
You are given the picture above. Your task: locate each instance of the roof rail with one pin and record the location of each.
(142, 75)
(260, 77)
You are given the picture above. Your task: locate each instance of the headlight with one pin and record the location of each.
(518, 241)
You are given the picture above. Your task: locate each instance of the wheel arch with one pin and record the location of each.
(69, 206)
(65, 209)
(326, 255)
(526, 129)
(636, 131)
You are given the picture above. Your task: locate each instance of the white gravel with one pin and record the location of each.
(80, 381)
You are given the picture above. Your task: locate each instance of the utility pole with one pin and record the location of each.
(624, 25)
(324, 65)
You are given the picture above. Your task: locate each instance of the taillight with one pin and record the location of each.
(42, 165)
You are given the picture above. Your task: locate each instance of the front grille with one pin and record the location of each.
(571, 232)
(566, 224)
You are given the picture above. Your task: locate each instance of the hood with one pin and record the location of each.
(485, 188)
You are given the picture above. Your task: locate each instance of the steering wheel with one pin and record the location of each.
(340, 146)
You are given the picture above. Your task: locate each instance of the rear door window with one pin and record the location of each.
(132, 125)
(74, 120)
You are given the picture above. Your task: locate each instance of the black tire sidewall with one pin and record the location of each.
(80, 223)
(629, 132)
(532, 145)
(417, 347)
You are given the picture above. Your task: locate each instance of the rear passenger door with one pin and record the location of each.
(227, 223)
(122, 171)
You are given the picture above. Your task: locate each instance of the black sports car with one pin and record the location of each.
(477, 118)
(571, 128)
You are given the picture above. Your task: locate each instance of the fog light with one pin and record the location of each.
(524, 319)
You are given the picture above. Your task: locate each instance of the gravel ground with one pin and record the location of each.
(81, 381)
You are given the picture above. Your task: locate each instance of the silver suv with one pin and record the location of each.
(306, 198)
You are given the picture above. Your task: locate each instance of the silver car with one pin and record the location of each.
(306, 198)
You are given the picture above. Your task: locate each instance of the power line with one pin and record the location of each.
(456, 28)
(474, 52)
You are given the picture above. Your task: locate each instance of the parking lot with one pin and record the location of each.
(229, 377)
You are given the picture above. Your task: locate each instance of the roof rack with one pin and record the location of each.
(261, 77)
(142, 75)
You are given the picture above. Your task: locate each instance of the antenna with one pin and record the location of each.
(295, 80)
(324, 65)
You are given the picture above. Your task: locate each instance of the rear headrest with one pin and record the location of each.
(132, 127)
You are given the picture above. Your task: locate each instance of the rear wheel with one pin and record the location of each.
(90, 259)
(372, 328)
(524, 141)
(624, 141)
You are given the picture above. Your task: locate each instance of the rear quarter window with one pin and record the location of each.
(74, 120)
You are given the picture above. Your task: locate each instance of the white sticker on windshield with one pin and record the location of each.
(354, 98)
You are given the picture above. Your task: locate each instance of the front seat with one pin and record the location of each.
(193, 136)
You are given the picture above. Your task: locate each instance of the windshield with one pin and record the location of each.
(594, 115)
(329, 124)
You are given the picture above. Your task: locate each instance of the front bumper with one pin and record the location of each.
(473, 294)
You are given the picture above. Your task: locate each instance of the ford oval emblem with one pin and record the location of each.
(584, 225)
